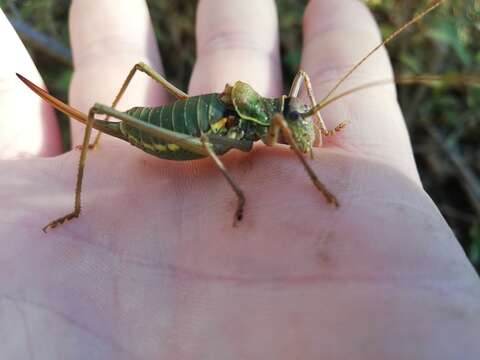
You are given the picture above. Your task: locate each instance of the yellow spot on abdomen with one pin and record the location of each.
(173, 147)
(160, 147)
(219, 124)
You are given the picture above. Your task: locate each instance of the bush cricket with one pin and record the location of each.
(212, 124)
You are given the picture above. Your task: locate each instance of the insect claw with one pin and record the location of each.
(335, 202)
(331, 199)
(238, 217)
(59, 221)
(339, 127)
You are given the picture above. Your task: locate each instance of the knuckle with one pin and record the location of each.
(337, 15)
(233, 39)
(238, 43)
(106, 46)
(336, 10)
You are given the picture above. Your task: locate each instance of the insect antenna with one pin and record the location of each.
(448, 79)
(416, 18)
(425, 79)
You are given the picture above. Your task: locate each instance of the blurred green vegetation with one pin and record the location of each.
(443, 119)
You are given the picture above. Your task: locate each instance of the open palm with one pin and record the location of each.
(153, 269)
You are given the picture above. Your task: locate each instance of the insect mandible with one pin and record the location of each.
(210, 125)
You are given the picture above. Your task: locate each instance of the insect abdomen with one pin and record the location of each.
(190, 116)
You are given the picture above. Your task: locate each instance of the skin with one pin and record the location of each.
(153, 269)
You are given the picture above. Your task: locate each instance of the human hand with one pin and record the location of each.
(153, 269)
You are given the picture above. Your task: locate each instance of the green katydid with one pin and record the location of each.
(210, 125)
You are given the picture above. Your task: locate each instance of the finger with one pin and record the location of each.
(333, 44)
(108, 37)
(237, 41)
(27, 125)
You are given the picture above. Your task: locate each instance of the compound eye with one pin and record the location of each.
(294, 115)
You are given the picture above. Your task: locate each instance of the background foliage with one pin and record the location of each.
(443, 118)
